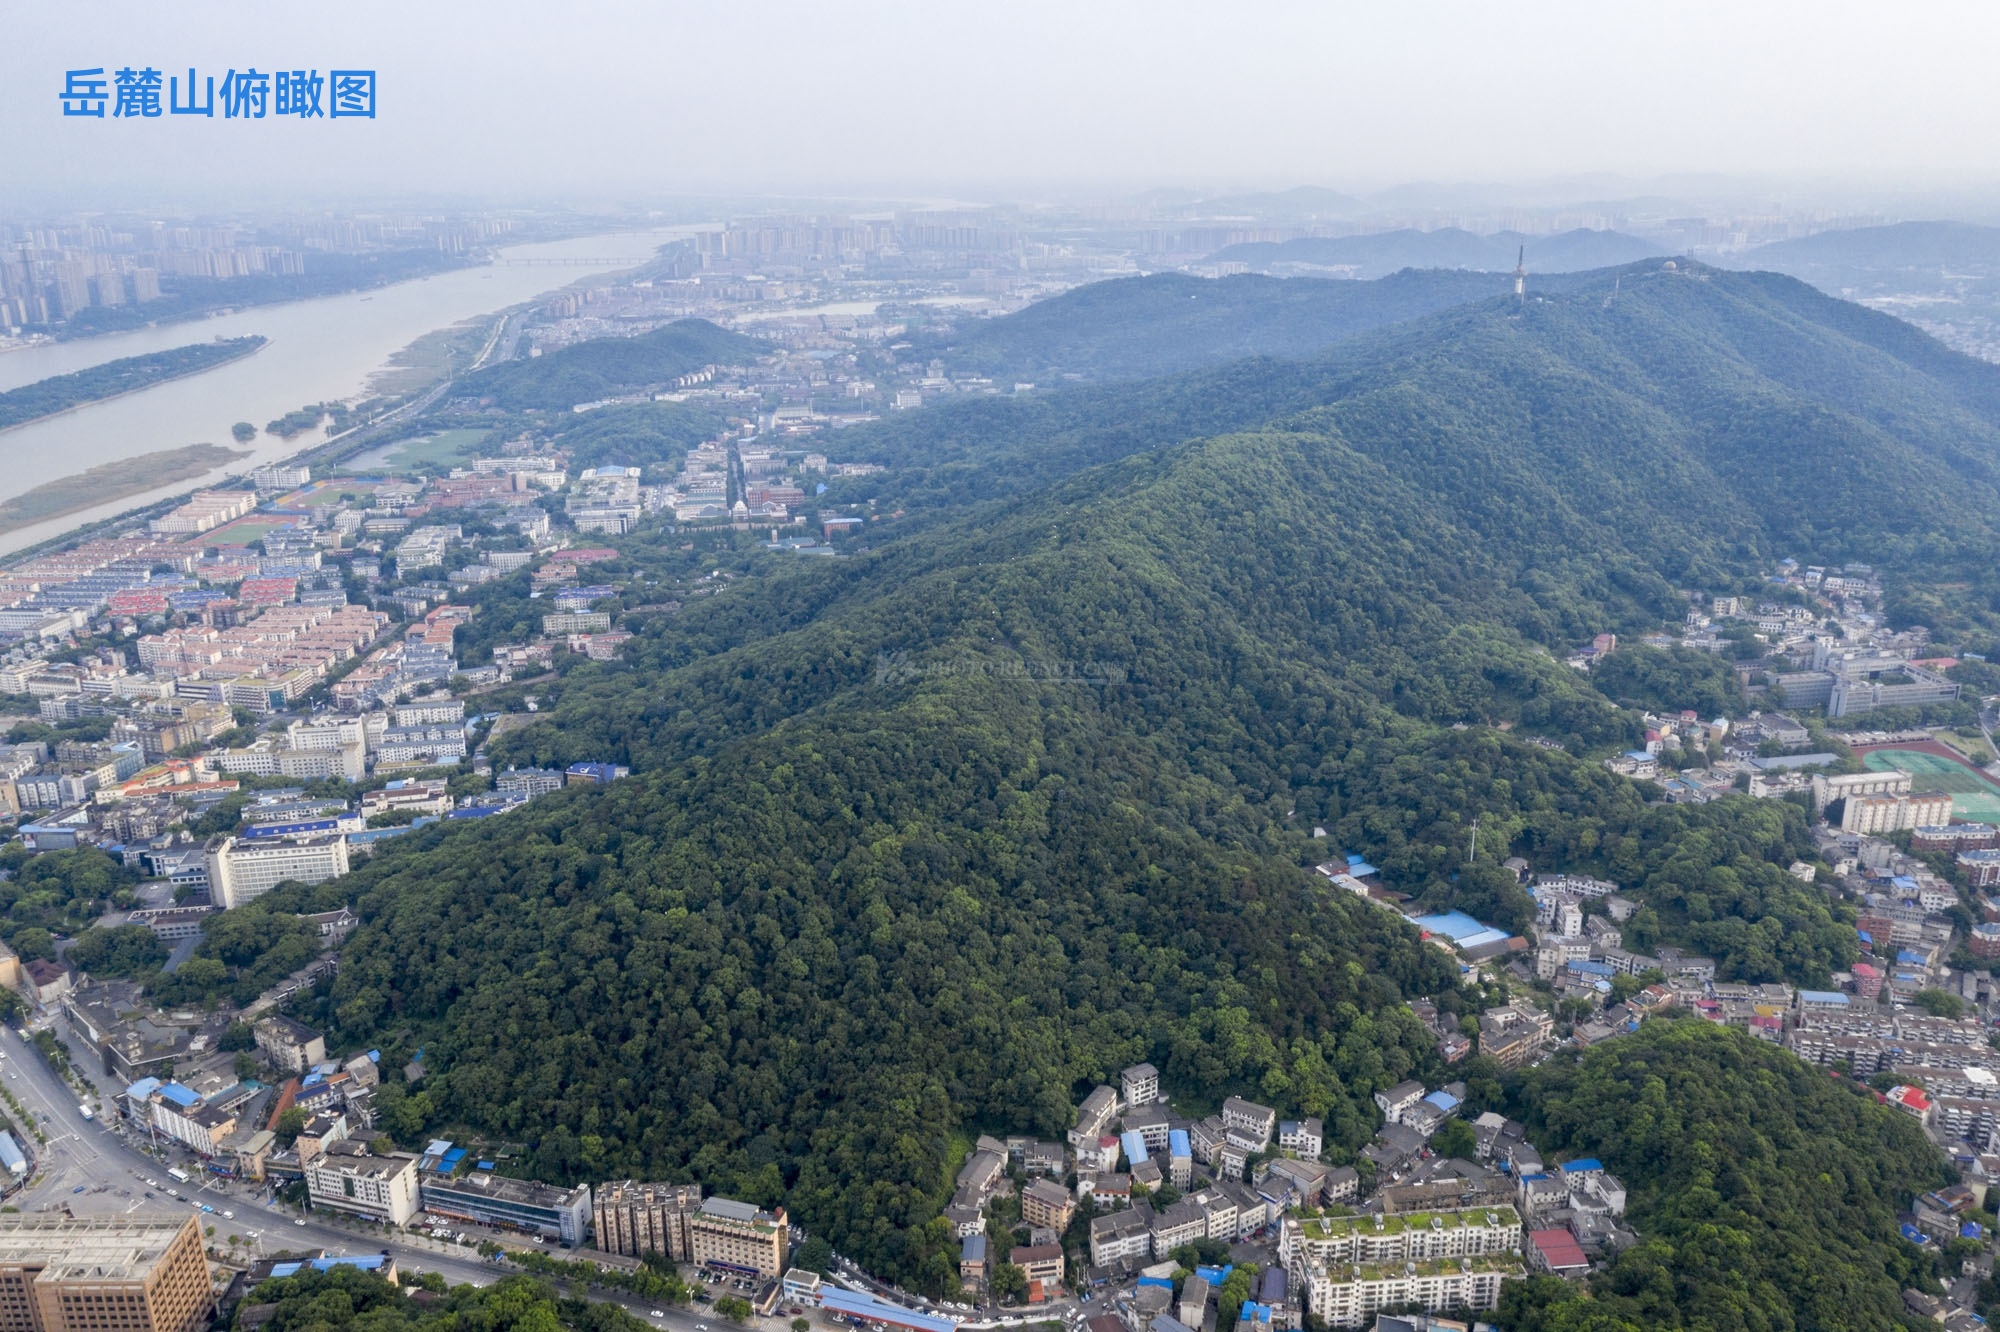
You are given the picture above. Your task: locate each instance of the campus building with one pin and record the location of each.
(242, 871)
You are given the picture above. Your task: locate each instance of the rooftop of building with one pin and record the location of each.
(632, 1190)
(1506, 1264)
(350, 1156)
(527, 1193)
(117, 1248)
(1330, 1227)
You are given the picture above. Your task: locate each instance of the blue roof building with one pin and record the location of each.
(1134, 1143)
(869, 1309)
(366, 1262)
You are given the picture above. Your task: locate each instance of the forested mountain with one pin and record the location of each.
(926, 840)
(608, 367)
(1382, 253)
(1133, 328)
(1766, 1193)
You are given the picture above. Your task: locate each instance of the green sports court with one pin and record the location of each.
(1974, 796)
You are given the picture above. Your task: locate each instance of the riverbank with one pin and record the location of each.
(61, 394)
(109, 482)
(320, 350)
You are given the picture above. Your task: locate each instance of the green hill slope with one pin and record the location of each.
(1766, 1193)
(609, 367)
(928, 839)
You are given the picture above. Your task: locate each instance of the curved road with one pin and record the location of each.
(94, 1157)
(91, 1168)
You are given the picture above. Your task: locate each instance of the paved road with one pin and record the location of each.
(91, 1155)
(112, 1173)
(93, 1169)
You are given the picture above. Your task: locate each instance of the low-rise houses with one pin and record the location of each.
(1515, 1034)
(1046, 1203)
(1039, 1263)
(1119, 1237)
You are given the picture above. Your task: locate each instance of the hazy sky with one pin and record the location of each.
(590, 98)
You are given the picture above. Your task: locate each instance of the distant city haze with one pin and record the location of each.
(620, 101)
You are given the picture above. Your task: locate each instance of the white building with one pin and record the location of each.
(240, 872)
(1337, 1242)
(1305, 1137)
(430, 712)
(1352, 1296)
(1253, 1121)
(1139, 1085)
(348, 1178)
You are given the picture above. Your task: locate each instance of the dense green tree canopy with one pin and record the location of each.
(345, 1298)
(1766, 1192)
(942, 833)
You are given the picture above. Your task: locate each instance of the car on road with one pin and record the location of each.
(301, 1221)
(656, 1313)
(77, 1189)
(229, 1216)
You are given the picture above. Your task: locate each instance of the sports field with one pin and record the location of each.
(1974, 796)
(254, 527)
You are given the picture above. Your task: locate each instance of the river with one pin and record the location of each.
(319, 350)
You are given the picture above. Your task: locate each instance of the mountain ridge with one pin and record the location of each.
(936, 835)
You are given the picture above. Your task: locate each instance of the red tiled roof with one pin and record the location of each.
(1558, 1248)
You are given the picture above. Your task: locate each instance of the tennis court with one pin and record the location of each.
(1974, 796)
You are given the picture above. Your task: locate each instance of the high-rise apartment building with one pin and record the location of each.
(633, 1218)
(137, 1273)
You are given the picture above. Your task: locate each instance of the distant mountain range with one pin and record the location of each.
(1139, 327)
(1902, 247)
(1389, 251)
